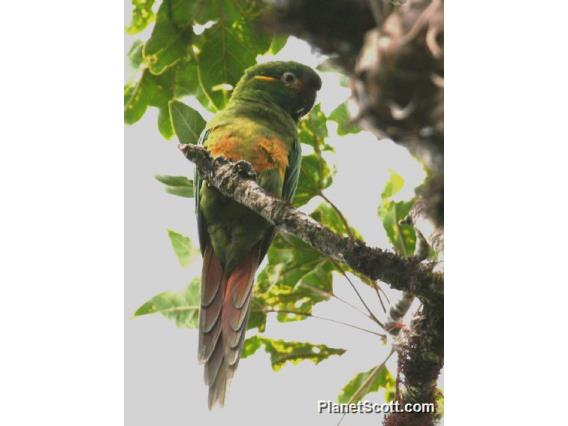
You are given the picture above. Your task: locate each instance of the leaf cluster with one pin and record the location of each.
(401, 233)
(293, 352)
(197, 47)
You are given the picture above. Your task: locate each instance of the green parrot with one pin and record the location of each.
(259, 125)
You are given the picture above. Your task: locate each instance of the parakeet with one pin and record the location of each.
(259, 125)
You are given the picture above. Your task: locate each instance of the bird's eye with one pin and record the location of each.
(288, 78)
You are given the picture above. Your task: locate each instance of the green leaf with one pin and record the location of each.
(328, 216)
(296, 278)
(186, 81)
(278, 43)
(328, 65)
(257, 317)
(174, 180)
(344, 122)
(225, 54)
(367, 382)
(157, 90)
(315, 176)
(150, 90)
(402, 236)
(250, 346)
(171, 36)
(136, 99)
(165, 123)
(392, 213)
(439, 398)
(142, 15)
(135, 54)
(229, 10)
(172, 52)
(183, 248)
(312, 130)
(177, 185)
(282, 351)
(188, 123)
(183, 308)
(393, 186)
(230, 46)
(211, 10)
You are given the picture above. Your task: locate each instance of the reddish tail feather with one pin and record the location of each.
(223, 317)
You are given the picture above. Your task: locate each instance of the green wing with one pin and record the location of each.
(201, 228)
(288, 190)
(292, 172)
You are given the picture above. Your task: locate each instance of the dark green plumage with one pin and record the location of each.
(258, 125)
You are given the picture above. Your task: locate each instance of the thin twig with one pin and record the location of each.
(341, 216)
(340, 299)
(350, 232)
(279, 311)
(384, 293)
(376, 288)
(378, 291)
(371, 314)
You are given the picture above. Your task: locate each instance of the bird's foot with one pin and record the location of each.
(244, 168)
(220, 161)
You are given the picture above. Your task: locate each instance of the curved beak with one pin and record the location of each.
(307, 100)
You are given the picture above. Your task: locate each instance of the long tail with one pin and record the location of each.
(223, 317)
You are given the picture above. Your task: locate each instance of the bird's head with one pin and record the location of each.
(290, 85)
